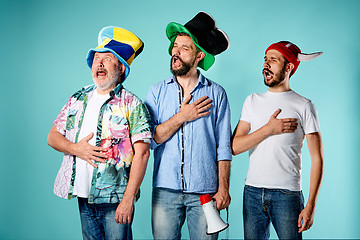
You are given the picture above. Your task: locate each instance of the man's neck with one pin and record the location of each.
(103, 92)
(282, 87)
(279, 89)
(188, 81)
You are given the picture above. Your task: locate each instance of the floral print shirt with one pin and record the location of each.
(123, 120)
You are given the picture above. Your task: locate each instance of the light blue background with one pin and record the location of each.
(43, 50)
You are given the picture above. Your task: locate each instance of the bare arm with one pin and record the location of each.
(188, 112)
(306, 217)
(82, 149)
(222, 197)
(243, 141)
(138, 168)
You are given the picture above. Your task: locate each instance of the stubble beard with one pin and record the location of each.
(281, 78)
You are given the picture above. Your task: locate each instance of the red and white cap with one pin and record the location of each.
(292, 53)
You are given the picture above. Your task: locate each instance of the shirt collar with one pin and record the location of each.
(116, 91)
(202, 79)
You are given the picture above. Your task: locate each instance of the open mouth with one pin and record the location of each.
(101, 72)
(176, 61)
(267, 73)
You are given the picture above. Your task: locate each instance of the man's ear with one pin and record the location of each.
(200, 56)
(121, 68)
(289, 67)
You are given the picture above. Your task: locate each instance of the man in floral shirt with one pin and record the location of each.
(104, 133)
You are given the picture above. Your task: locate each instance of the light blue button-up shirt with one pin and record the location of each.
(205, 141)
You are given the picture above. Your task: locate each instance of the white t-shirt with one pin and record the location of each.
(276, 161)
(84, 171)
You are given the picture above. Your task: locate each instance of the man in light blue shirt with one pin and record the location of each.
(191, 123)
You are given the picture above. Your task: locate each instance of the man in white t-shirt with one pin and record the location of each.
(104, 132)
(272, 127)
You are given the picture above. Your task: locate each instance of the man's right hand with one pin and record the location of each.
(88, 152)
(284, 125)
(195, 110)
(188, 112)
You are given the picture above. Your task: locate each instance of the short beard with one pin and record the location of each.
(183, 70)
(114, 79)
(277, 82)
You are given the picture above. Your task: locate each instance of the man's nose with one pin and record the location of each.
(266, 64)
(101, 64)
(175, 52)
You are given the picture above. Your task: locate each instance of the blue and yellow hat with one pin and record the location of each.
(122, 43)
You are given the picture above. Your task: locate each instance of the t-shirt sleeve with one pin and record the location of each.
(311, 122)
(140, 124)
(245, 113)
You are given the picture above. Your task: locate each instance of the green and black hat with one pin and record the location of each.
(205, 35)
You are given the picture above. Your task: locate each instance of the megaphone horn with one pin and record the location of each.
(214, 222)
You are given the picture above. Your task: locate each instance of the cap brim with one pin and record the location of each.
(90, 58)
(173, 29)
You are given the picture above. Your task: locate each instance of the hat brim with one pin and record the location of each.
(173, 29)
(90, 58)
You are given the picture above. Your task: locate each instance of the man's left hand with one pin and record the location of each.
(124, 211)
(222, 199)
(306, 218)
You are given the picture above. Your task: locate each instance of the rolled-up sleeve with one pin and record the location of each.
(223, 128)
(151, 104)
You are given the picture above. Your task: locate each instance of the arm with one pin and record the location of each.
(222, 196)
(223, 150)
(138, 168)
(306, 217)
(243, 141)
(188, 112)
(82, 149)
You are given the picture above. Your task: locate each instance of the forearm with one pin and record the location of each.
(165, 130)
(224, 175)
(317, 166)
(316, 175)
(242, 143)
(57, 141)
(222, 197)
(137, 173)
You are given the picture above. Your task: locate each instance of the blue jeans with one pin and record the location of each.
(98, 221)
(279, 206)
(169, 210)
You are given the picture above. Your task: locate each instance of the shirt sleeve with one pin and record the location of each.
(311, 122)
(150, 102)
(139, 123)
(60, 121)
(223, 128)
(245, 114)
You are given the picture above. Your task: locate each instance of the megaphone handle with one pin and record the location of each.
(227, 221)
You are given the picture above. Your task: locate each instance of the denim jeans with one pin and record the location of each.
(279, 206)
(169, 210)
(98, 221)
